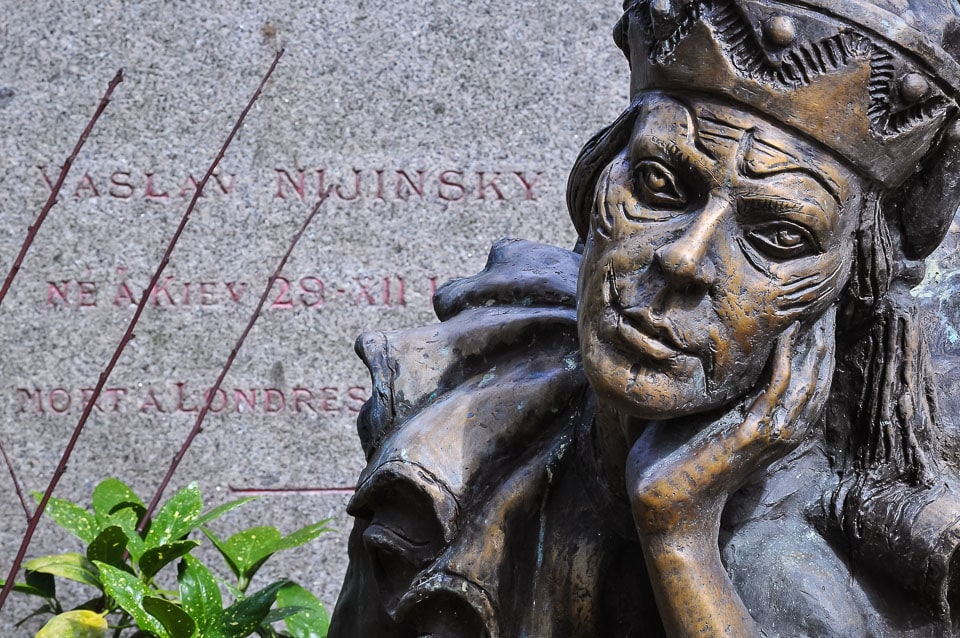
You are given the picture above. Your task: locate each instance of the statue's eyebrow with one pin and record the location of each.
(787, 163)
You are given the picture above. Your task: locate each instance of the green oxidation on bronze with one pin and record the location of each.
(718, 415)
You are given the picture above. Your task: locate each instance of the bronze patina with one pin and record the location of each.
(717, 416)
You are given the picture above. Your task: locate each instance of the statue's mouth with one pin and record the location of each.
(637, 327)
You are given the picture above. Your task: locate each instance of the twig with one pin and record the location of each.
(33, 228)
(16, 481)
(127, 337)
(198, 425)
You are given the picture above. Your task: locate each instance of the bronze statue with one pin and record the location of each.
(717, 416)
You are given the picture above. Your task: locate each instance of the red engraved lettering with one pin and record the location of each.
(181, 405)
(329, 400)
(25, 397)
(43, 174)
(225, 188)
(124, 295)
(356, 188)
(87, 293)
(401, 289)
(483, 186)
(365, 294)
(358, 396)
(85, 395)
(528, 186)
(53, 290)
(312, 296)
(189, 185)
(379, 195)
(298, 186)
(113, 394)
(241, 399)
(206, 293)
(235, 294)
(322, 191)
(161, 288)
(446, 179)
(274, 400)
(150, 193)
(120, 187)
(86, 184)
(59, 400)
(186, 293)
(285, 298)
(221, 395)
(302, 396)
(403, 192)
(150, 403)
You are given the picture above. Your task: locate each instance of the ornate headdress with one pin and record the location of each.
(875, 81)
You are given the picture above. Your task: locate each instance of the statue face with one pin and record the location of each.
(711, 233)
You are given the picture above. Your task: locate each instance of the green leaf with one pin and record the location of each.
(223, 549)
(42, 582)
(109, 547)
(70, 517)
(129, 593)
(220, 510)
(303, 535)
(313, 621)
(199, 593)
(251, 547)
(127, 519)
(279, 614)
(26, 588)
(155, 558)
(79, 623)
(110, 495)
(71, 565)
(177, 517)
(243, 617)
(175, 620)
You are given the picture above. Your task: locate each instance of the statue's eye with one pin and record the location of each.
(782, 240)
(657, 186)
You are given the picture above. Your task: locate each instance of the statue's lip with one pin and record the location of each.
(655, 338)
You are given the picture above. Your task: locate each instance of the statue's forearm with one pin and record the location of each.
(694, 594)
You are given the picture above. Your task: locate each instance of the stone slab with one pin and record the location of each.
(434, 128)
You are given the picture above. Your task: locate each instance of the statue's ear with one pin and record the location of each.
(927, 202)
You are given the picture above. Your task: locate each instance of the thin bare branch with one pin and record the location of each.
(55, 192)
(198, 425)
(16, 482)
(127, 337)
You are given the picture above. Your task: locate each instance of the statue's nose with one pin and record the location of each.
(686, 261)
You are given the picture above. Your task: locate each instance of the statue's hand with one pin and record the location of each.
(679, 475)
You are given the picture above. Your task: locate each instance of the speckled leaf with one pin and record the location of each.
(71, 565)
(251, 547)
(176, 621)
(313, 621)
(303, 535)
(26, 588)
(71, 517)
(220, 510)
(109, 546)
(177, 517)
(109, 496)
(199, 593)
(79, 623)
(127, 520)
(224, 551)
(243, 617)
(129, 593)
(155, 558)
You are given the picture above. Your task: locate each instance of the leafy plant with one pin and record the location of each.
(122, 565)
